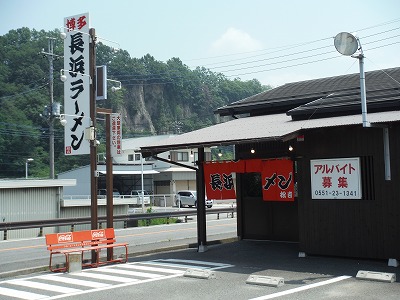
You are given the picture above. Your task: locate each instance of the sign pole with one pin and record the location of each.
(109, 182)
(93, 150)
(109, 175)
(201, 205)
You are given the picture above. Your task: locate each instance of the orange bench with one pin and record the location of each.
(81, 241)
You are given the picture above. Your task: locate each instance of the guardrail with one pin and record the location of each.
(5, 226)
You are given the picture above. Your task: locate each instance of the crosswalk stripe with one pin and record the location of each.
(105, 277)
(197, 262)
(44, 286)
(102, 278)
(70, 280)
(20, 294)
(182, 266)
(153, 269)
(130, 273)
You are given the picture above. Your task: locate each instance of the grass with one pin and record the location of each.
(157, 221)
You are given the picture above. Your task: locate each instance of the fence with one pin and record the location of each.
(6, 226)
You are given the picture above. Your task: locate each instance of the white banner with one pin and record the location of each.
(116, 134)
(338, 178)
(77, 85)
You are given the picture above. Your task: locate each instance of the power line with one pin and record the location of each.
(291, 46)
(141, 77)
(25, 92)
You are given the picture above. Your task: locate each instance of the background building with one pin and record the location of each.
(160, 178)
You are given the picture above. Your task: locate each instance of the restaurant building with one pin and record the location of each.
(346, 176)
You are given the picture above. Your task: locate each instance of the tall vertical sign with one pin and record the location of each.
(77, 85)
(116, 134)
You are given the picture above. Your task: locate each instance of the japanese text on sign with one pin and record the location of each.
(116, 134)
(77, 85)
(336, 178)
(219, 181)
(277, 180)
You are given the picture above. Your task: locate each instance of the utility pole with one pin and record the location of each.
(53, 110)
(93, 147)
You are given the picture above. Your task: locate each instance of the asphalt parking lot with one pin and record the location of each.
(161, 276)
(311, 277)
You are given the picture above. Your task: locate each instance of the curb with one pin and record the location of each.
(132, 254)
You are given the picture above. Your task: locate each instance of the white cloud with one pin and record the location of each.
(234, 41)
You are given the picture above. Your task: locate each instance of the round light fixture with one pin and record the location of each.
(346, 43)
(63, 122)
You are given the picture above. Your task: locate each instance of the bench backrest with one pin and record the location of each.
(80, 238)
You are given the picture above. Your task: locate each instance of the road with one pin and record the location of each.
(32, 253)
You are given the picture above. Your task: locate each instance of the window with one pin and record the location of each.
(130, 157)
(182, 156)
(137, 156)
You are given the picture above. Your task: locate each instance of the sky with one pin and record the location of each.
(275, 42)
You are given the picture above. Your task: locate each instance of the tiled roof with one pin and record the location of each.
(259, 129)
(283, 112)
(344, 91)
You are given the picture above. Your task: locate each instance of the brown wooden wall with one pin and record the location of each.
(366, 228)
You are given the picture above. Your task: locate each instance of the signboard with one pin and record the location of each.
(77, 84)
(218, 178)
(338, 178)
(277, 180)
(116, 134)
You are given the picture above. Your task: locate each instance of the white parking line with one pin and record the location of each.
(101, 279)
(302, 288)
(44, 286)
(153, 269)
(20, 294)
(199, 262)
(166, 264)
(89, 275)
(129, 273)
(69, 280)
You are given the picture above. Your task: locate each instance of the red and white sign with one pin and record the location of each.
(218, 178)
(277, 180)
(98, 234)
(116, 134)
(77, 85)
(65, 237)
(338, 178)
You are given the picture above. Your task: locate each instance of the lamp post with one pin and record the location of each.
(348, 44)
(26, 166)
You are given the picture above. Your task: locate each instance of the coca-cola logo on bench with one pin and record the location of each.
(98, 234)
(65, 237)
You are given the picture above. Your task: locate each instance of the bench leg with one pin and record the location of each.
(58, 269)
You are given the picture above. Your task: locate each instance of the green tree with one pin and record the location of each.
(175, 98)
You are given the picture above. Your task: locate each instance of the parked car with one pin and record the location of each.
(137, 195)
(102, 193)
(189, 198)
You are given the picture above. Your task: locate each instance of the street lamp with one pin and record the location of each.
(26, 166)
(348, 44)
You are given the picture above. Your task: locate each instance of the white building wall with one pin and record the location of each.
(82, 176)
